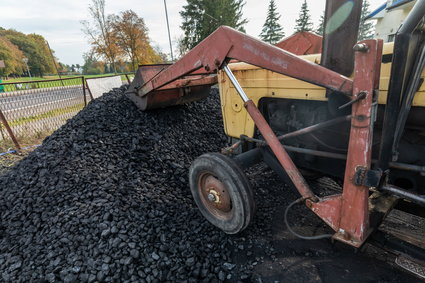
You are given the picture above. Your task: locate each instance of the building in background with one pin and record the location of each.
(389, 16)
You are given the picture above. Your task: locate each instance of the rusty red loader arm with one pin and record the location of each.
(164, 85)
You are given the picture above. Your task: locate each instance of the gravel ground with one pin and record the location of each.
(8, 161)
(106, 198)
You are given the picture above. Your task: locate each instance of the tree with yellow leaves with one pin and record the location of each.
(132, 37)
(12, 57)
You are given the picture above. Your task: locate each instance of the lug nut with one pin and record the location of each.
(211, 197)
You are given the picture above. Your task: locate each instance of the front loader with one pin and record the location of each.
(355, 112)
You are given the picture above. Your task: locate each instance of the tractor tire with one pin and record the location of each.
(222, 192)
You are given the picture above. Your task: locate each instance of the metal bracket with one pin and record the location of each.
(367, 178)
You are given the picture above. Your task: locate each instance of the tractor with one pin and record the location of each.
(354, 112)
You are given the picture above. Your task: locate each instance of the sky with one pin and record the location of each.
(60, 21)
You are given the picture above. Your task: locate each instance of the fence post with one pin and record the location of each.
(84, 92)
(9, 130)
(88, 88)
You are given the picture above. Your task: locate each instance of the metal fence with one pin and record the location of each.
(32, 110)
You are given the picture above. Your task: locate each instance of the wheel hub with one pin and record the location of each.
(215, 194)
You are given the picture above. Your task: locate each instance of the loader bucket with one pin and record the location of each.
(187, 89)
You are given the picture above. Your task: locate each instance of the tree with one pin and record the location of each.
(366, 28)
(202, 17)
(12, 57)
(63, 68)
(34, 48)
(91, 65)
(46, 62)
(132, 37)
(131, 33)
(321, 28)
(272, 31)
(101, 34)
(303, 23)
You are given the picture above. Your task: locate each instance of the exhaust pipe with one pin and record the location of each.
(342, 20)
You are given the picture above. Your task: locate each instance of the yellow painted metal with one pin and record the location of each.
(259, 83)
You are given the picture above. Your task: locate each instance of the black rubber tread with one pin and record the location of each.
(225, 169)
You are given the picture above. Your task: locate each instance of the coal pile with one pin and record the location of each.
(106, 198)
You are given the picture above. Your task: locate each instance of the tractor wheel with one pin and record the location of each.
(222, 192)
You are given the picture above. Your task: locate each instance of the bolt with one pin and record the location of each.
(361, 118)
(361, 95)
(211, 197)
(361, 47)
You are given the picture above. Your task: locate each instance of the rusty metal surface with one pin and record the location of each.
(226, 43)
(191, 81)
(302, 43)
(192, 87)
(354, 223)
(215, 196)
(169, 97)
(328, 209)
(9, 130)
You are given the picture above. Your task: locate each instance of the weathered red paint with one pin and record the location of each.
(328, 209)
(189, 88)
(191, 81)
(226, 43)
(348, 213)
(354, 223)
(281, 154)
(302, 43)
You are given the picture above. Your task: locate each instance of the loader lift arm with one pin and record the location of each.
(226, 43)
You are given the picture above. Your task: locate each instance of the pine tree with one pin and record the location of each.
(304, 19)
(202, 17)
(272, 31)
(321, 28)
(366, 29)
